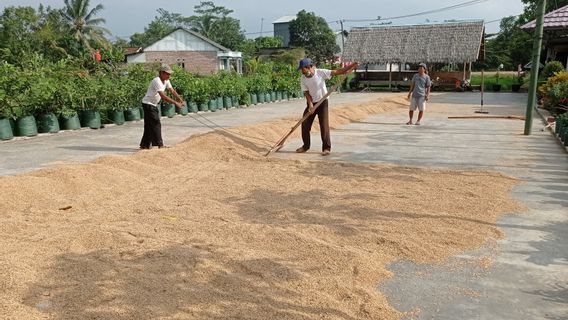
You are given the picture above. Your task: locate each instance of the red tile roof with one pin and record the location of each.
(557, 19)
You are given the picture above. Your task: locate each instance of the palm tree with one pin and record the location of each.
(82, 23)
(203, 24)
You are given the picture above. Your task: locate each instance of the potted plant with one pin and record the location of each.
(116, 99)
(241, 95)
(89, 101)
(138, 77)
(200, 93)
(43, 94)
(24, 105)
(6, 101)
(497, 85)
(181, 79)
(516, 87)
(225, 89)
(66, 98)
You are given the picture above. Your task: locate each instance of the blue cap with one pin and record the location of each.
(306, 62)
(423, 65)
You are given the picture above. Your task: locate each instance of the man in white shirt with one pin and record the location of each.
(312, 83)
(156, 91)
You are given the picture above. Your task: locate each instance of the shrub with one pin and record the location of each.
(139, 77)
(8, 87)
(555, 91)
(551, 68)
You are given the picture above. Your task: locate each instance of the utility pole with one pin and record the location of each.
(342, 37)
(535, 64)
(261, 24)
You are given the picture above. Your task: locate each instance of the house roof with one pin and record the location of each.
(132, 50)
(196, 34)
(557, 19)
(436, 43)
(284, 19)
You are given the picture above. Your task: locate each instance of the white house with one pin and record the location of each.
(191, 51)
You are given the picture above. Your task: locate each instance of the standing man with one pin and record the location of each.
(312, 83)
(156, 91)
(420, 90)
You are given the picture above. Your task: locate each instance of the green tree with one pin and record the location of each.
(52, 34)
(508, 47)
(164, 23)
(529, 13)
(226, 31)
(83, 24)
(214, 23)
(312, 33)
(250, 47)
(17, 28)
(268, 42)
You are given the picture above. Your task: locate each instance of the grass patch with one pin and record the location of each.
(506, 82)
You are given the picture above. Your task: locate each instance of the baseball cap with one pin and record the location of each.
(422, 64)
(166, 68)
(306, 62)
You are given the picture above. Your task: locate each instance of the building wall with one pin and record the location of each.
(282, 30)
(136, 58)
(199, 62)
(181, 40)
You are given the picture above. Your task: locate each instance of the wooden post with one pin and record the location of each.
(390, 76)
(482, 90)
(399, 75)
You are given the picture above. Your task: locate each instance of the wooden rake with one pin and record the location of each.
(280, 142)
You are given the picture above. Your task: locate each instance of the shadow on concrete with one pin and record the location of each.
(382, 123)
(552, 249)
(558, 295)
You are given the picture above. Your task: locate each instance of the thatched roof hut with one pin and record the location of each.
(455, 42)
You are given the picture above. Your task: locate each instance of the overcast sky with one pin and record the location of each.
(125, 17)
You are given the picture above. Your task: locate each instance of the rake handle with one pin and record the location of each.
(280, 142)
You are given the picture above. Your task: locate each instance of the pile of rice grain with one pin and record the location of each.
(211, 229)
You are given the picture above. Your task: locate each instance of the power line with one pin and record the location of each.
(456, 6)
(452, 7)
(491, 21)
(261, 32)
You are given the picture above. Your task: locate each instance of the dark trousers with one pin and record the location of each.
(323, 118)
(152, 127)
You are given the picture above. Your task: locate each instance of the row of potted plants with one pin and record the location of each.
(39, 97)
(95, 119)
